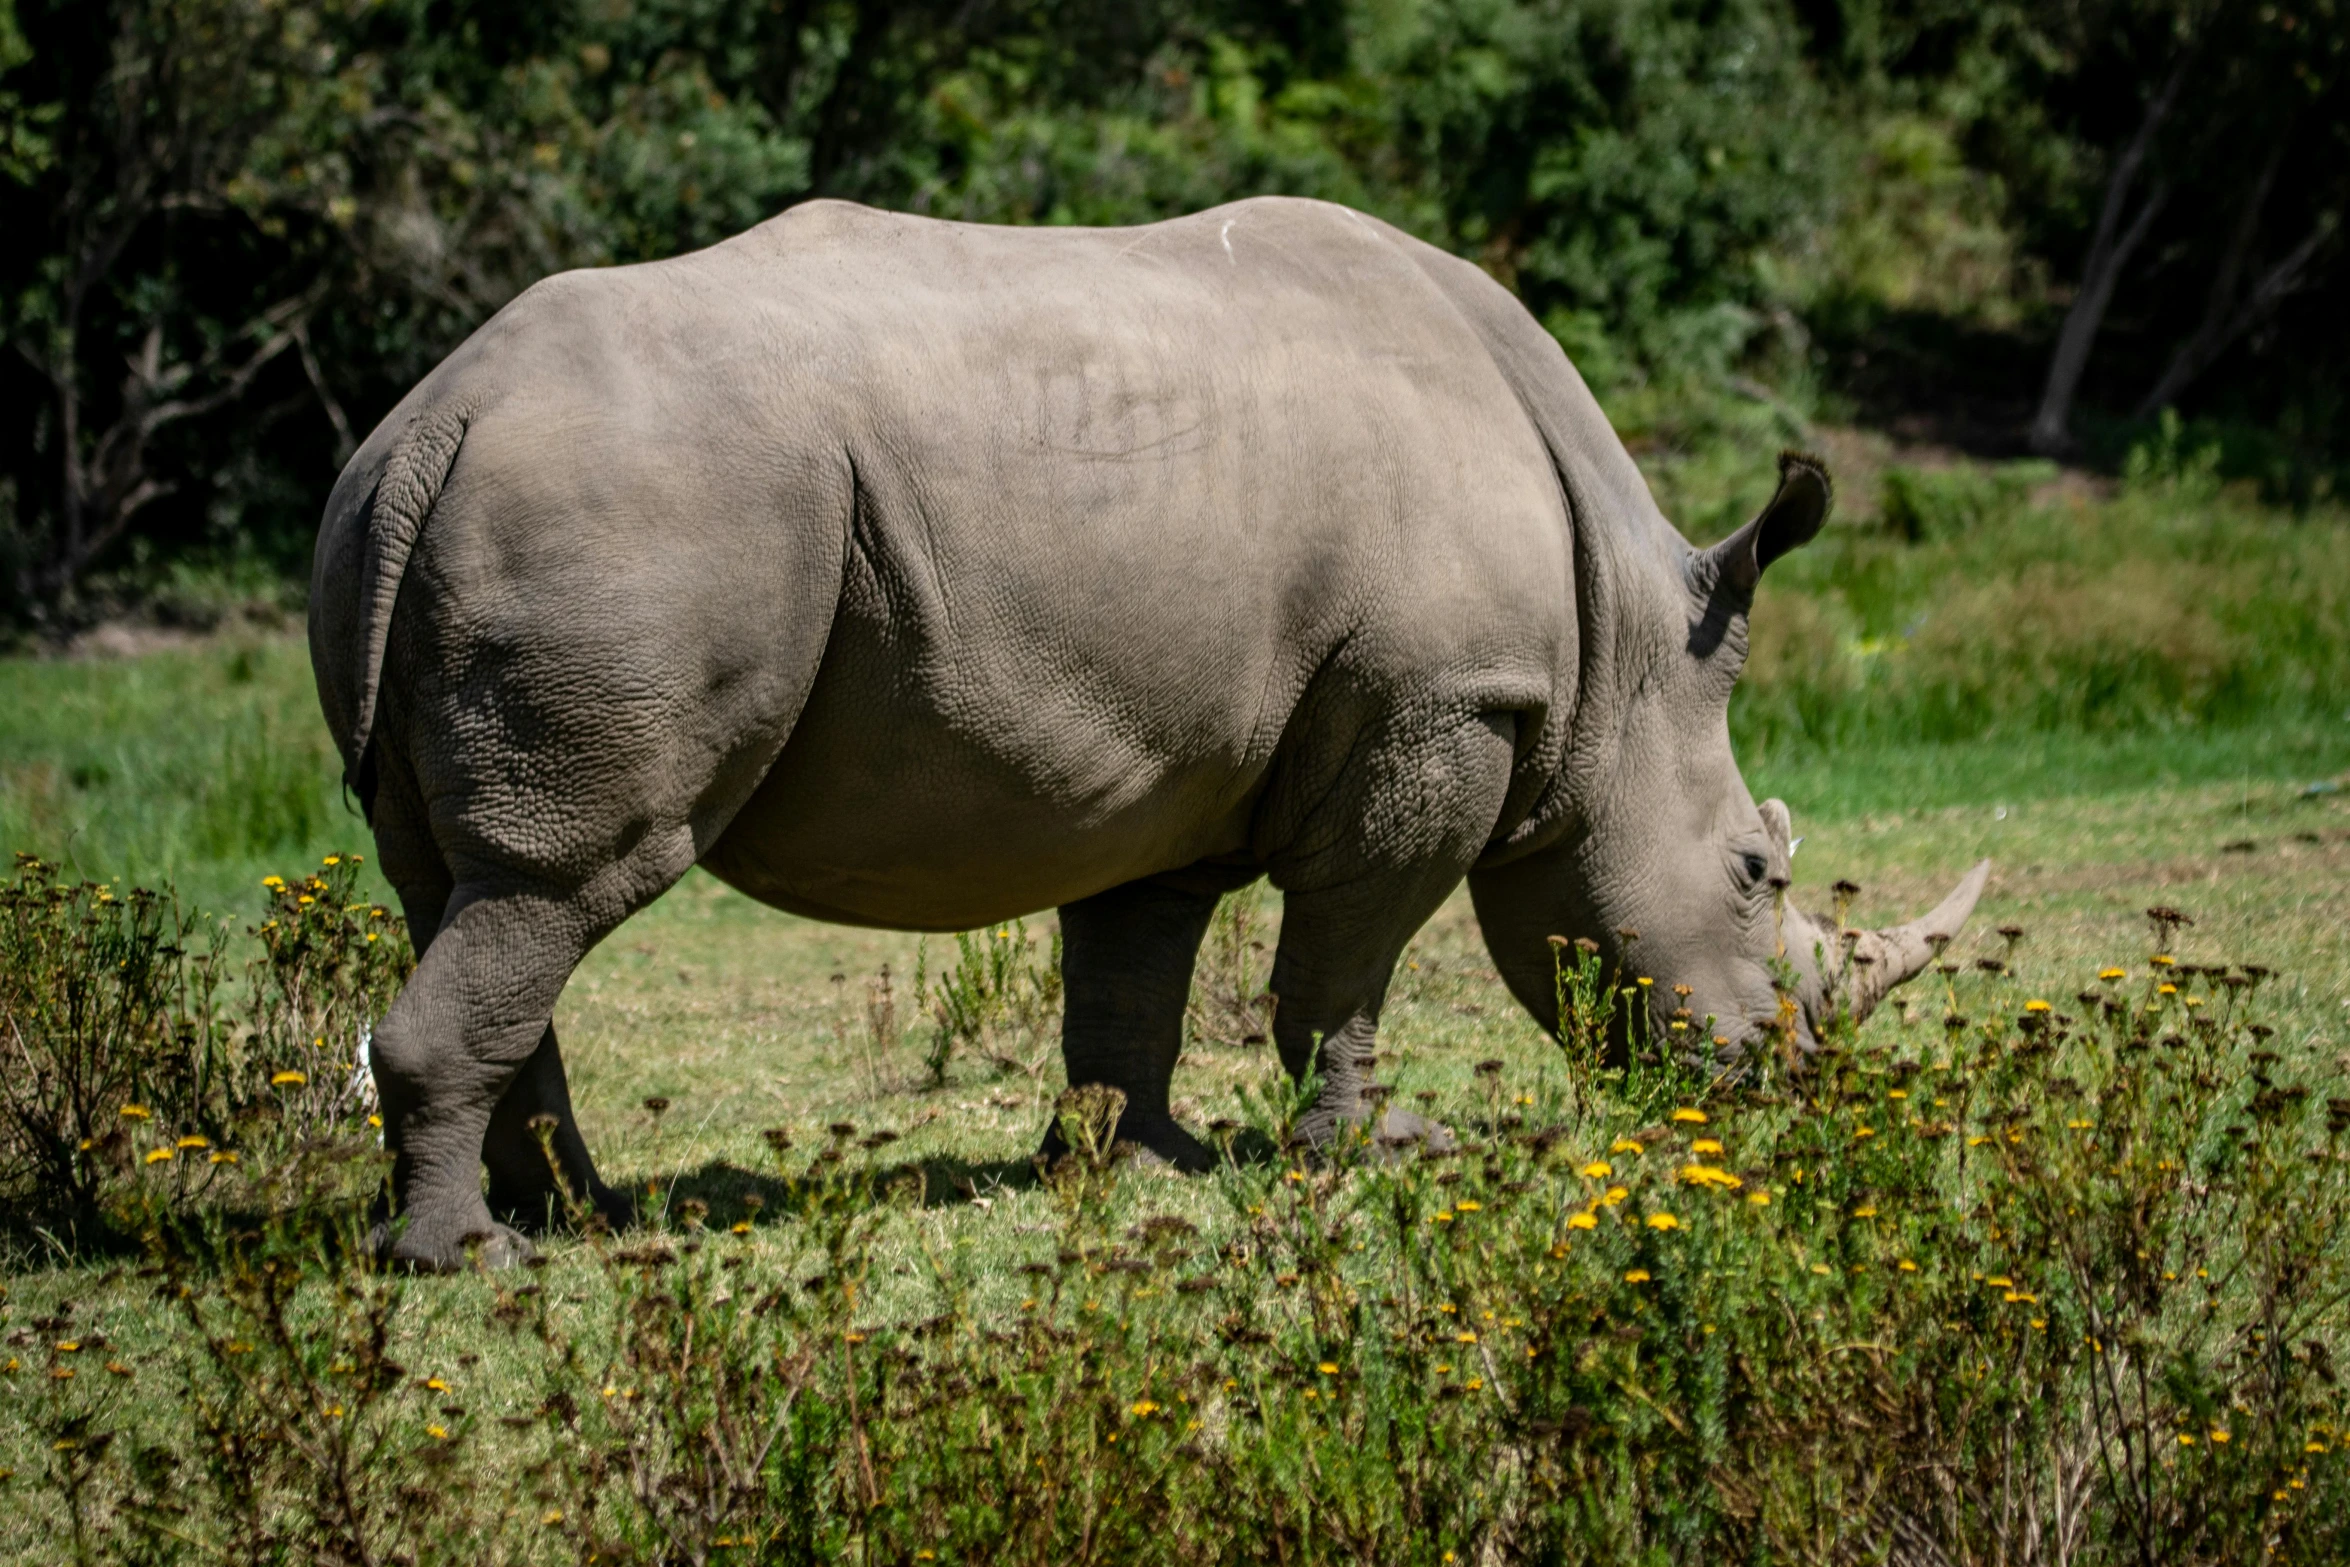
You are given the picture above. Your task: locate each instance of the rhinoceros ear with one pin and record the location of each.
(1723, 578)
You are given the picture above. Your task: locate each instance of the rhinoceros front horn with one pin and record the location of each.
(1882, 959)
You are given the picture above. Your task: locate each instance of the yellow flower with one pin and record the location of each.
(1759, 1199)
(2018, 1297)
(2035, 1005)
(1598, 1170)
(1694, 1117)
(1897, 1093)
(1624, 1145)
(1866, 1210)
(2162, 960)
(1822, 1269)
(2000, 1281)
(1709, 1175)
(740, 1227)
(274, 883)
(437, 1433)
(1614, 1195)
(287, 1080)
(1143, 1408)
(332, 859)
(1977, 1142)
(2166, 990)
(1907, 1266)
(135, 1112)
(2111, 974)
(1663, 1221)
(1706, 1145)
(436, 1384)
(2220, 1435)
(223, 1156)
(158, 1155)
(1864, 1131)
(193, 1141)
(2186, 1440)
(2079, 1126)
(1441, 1216)
(1582, 1221)
(1636, 1276)
(1469, 1205)
(1328, 1368)
(305, 900)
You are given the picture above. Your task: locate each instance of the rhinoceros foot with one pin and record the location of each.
(1393, 1135)
(427, 1248)
(1401, 1129)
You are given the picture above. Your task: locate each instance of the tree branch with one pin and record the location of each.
(2110, 249)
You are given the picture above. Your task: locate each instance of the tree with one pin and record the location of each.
(156, 110)
(2228, 90)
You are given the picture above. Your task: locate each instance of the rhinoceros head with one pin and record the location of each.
(1671, 868)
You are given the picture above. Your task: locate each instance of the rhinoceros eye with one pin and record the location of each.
(1756, 867)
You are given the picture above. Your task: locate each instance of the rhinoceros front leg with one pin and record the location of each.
(1126, 960)
(1330, 980)
(1389, 848)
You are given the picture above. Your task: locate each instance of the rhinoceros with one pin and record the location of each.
(919, 575)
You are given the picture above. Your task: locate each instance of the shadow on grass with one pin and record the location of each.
(942, 1181)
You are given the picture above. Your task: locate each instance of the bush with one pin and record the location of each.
(1981, 612)
(141, 1080)
(1943, 503)
(2039, 1271)
(1001, 1000)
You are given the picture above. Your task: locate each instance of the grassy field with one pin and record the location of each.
(204, 766)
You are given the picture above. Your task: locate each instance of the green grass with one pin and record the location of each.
(208, 767)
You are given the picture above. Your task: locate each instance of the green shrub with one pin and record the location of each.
(1001, 1000)
(1943, 503)
(2170, 606)
(142, 1079)
(2045, 1258)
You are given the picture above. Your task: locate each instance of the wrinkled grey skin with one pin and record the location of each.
(921, 575)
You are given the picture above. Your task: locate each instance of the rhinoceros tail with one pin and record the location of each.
(372, 542)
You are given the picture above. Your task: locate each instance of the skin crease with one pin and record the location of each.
(922, 575)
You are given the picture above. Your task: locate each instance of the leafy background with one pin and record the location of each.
(240, 229)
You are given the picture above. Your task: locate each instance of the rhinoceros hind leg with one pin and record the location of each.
(1126, 958)
(428, 1059)
(526, 1189)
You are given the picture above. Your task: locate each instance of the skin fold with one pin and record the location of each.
(922, 575)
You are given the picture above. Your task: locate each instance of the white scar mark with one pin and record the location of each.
(1226, 237)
